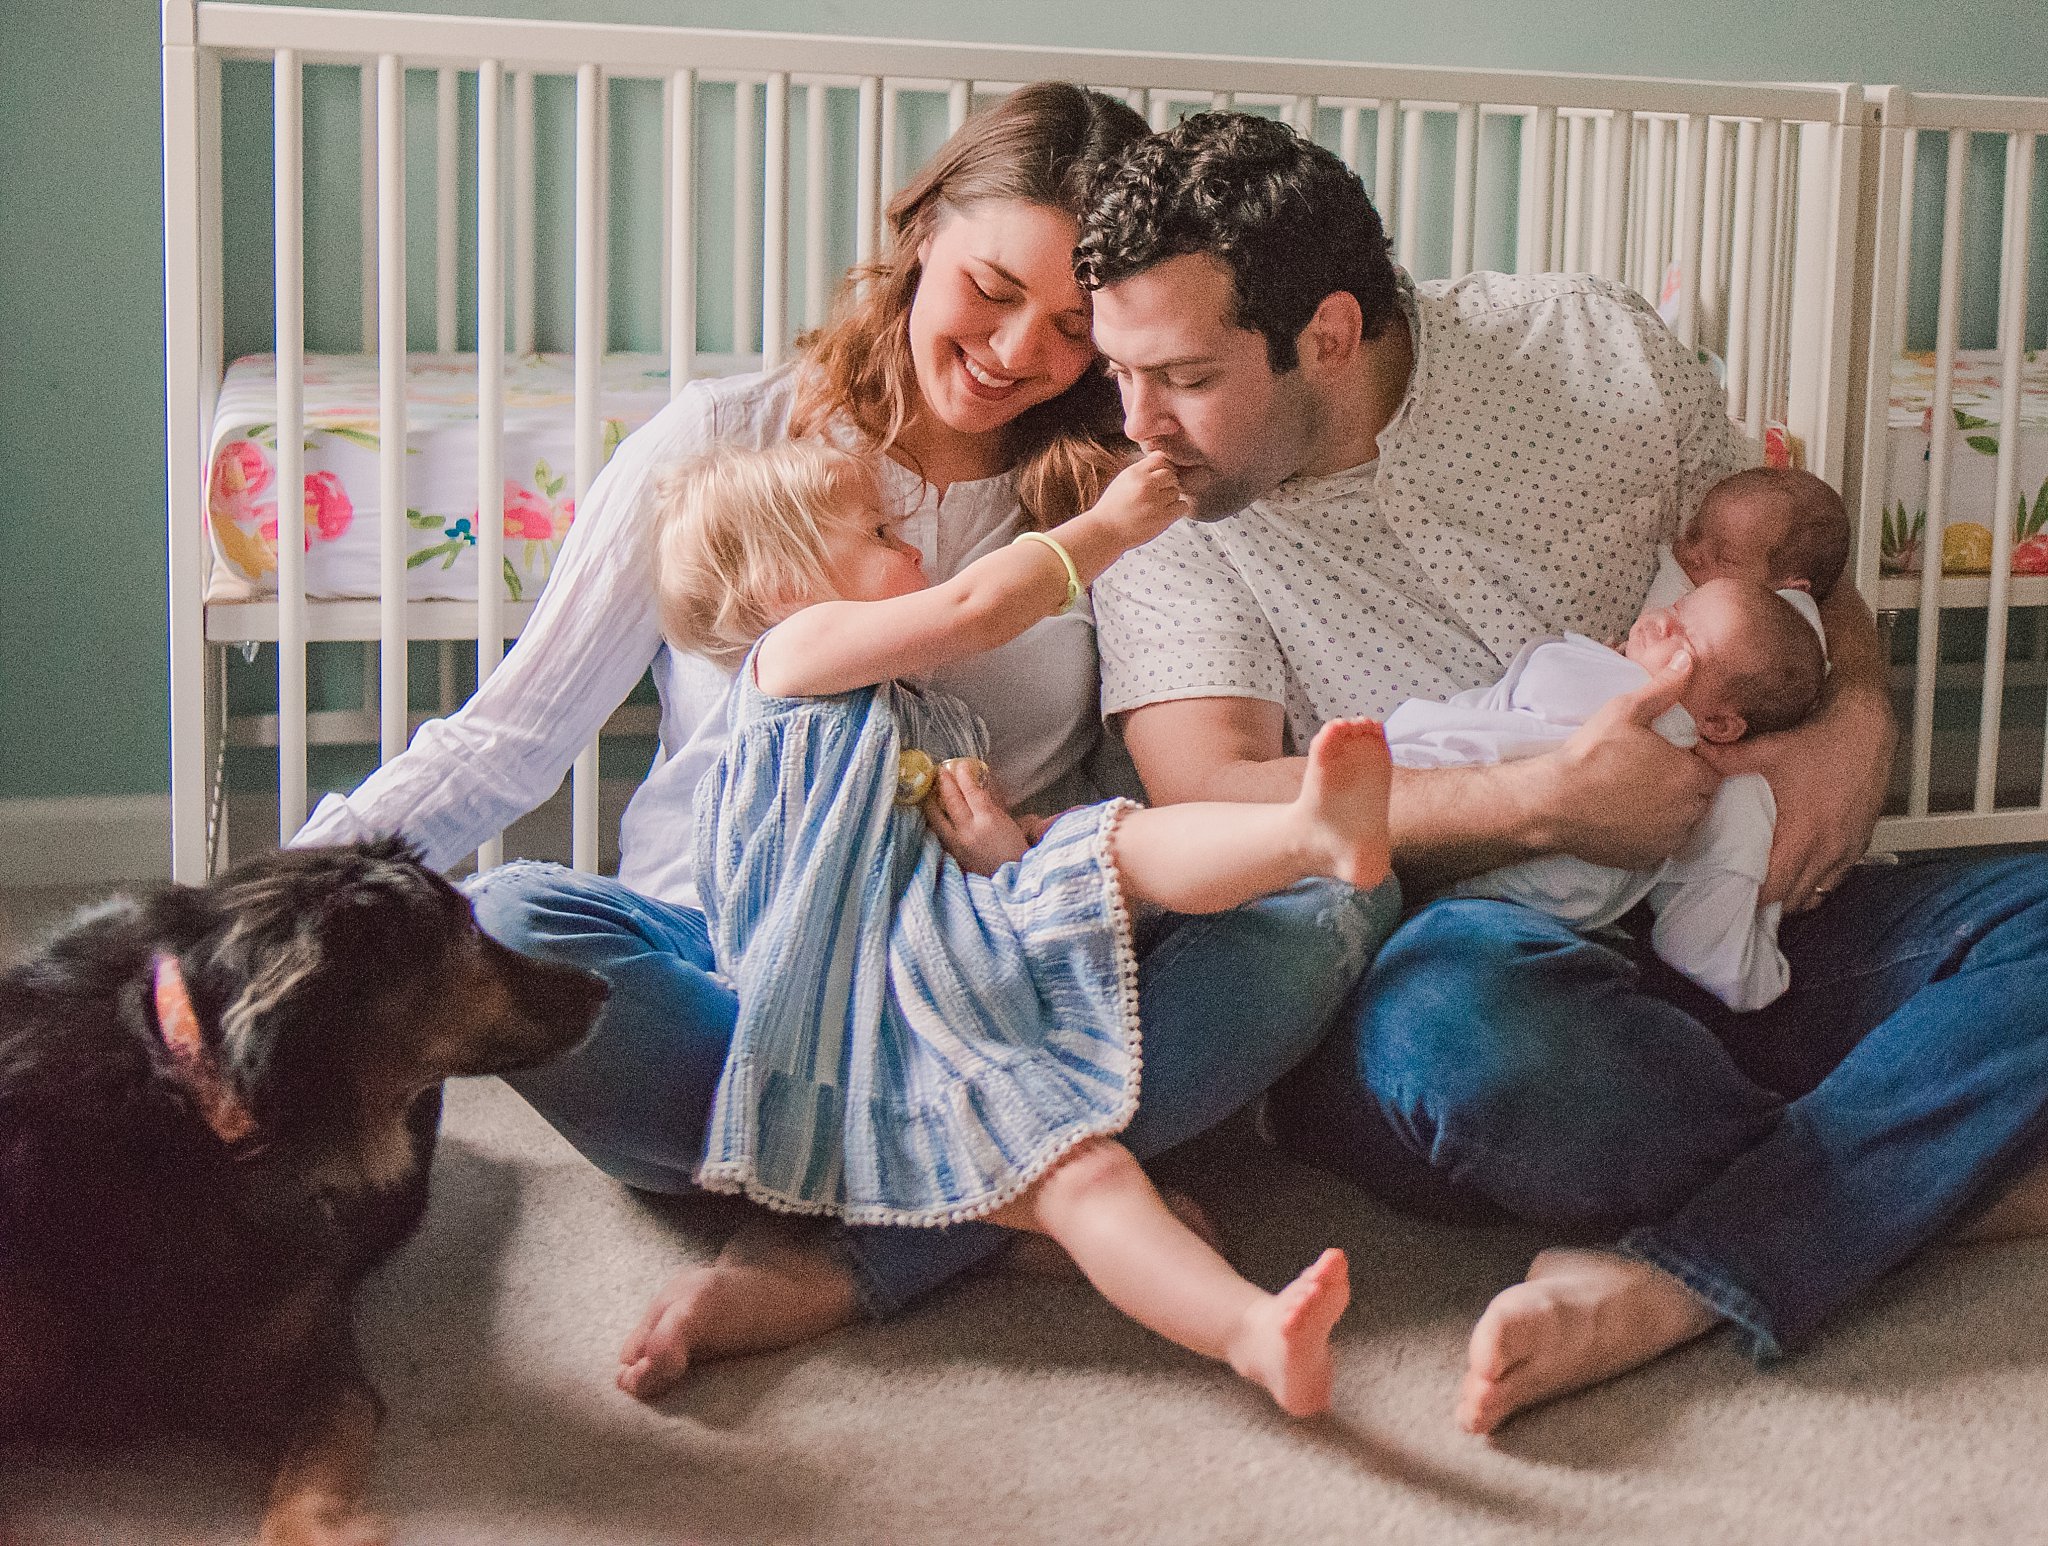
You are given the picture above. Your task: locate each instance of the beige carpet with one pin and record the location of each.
(1017, 1411)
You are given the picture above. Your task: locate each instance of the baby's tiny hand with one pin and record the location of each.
(967, 815)
(1144, 499)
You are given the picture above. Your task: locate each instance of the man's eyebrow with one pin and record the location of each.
(1177, 363)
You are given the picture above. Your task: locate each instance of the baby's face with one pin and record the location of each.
(1735, 542)
(1708, 624)
(868, 559)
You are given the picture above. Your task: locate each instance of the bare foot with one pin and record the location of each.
(1580, 1317)
(764, 1292)
(2020, 1214)
(1284, 1343)
(1344, 797)
(1041, 1256)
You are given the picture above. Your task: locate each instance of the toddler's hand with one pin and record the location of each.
(1143, 500)
(968, 816)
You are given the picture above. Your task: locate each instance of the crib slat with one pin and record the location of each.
(1909, 158)
(490, 399)
(1741, 269)
(1654, 248)
(1715, 219)
(1614, 196)
(746, 217)
(1692, 189)
(1941, 439)
(1464, 179)
(1386, 138)
(288, 151)
(1764, 272)
(817, 182)
(366, 183)
(1408, 226)
(959, 97)
(1348, 136)
(892, 107)
(1538, 183)
(775, 225)
(682, 229)
(1574, 259)
(589, 355)
(391, 408)
(2012, 330)
(867, 195)
(446, 100)
(522, 211)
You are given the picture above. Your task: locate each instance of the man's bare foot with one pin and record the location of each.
(1041, 1256)
(1344, 798)
(765, 1291)
(1284, 1343)
(1578, 1318)
(2020, 1214)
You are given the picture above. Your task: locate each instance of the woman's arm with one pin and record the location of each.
(836, 646)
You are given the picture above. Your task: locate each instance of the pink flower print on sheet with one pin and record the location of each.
(242, 472)
(329, 511)
(539, 518)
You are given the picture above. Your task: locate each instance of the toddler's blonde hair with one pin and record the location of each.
(741, 541)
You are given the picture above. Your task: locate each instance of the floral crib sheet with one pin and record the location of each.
(1973, 464)
(342, 447)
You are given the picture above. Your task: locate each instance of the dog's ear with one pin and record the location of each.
(272, 1027)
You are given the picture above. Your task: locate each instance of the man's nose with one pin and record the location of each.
(1145, 415)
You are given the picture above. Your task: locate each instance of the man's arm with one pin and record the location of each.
(1617, 793)
(1830, 773)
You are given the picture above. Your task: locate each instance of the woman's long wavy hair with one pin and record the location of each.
(1040, 145)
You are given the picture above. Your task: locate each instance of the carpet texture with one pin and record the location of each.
(1019, 1410)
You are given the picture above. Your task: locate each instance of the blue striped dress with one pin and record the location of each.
(916, 1045)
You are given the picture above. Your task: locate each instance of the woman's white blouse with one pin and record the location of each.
(597, 627)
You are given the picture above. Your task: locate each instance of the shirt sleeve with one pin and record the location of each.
(1174, 619)
(592, 634)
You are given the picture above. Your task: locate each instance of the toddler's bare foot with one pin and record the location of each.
(1041, 1256)
(1284, 1343)
(1344, 797)
(764, 1292)
(1580, 1317)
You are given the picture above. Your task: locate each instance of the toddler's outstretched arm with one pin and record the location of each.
(836, 646)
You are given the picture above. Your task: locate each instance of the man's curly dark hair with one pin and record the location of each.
(1289, 219)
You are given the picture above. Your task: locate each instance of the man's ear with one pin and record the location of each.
(1721, 729)
(1334, 333)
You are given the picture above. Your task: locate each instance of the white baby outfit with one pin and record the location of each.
(1709, 925)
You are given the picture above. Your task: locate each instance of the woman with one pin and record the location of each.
(962, 355)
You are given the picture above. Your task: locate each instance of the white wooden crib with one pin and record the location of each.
(1748, 210)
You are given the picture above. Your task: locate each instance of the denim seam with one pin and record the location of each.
(1733, 1303)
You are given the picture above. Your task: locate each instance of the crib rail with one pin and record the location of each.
(1737, 198)
(1960, 598)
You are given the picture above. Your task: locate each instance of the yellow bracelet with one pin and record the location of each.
(1066, 561)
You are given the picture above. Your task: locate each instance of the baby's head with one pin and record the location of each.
(748, 537)
(1780, 527)
(1758, 664)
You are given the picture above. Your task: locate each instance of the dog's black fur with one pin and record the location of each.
(154, 1277)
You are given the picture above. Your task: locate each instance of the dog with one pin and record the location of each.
(217, 1109)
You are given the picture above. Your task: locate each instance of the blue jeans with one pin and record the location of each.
(1776, 1162)
(1228, 1003)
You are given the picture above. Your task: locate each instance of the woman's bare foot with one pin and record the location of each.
(1041, 1256)
(1284, 1343)
(765, 1291)
(1344, 798)
(1578, 1318)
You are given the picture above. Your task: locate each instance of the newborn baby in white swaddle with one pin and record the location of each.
(1737, 593)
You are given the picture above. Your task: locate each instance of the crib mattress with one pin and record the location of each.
(343, 438)
(1973, 434)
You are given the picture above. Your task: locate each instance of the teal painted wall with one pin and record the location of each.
(81, 330)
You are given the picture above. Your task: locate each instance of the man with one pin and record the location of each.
(1401, 485)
